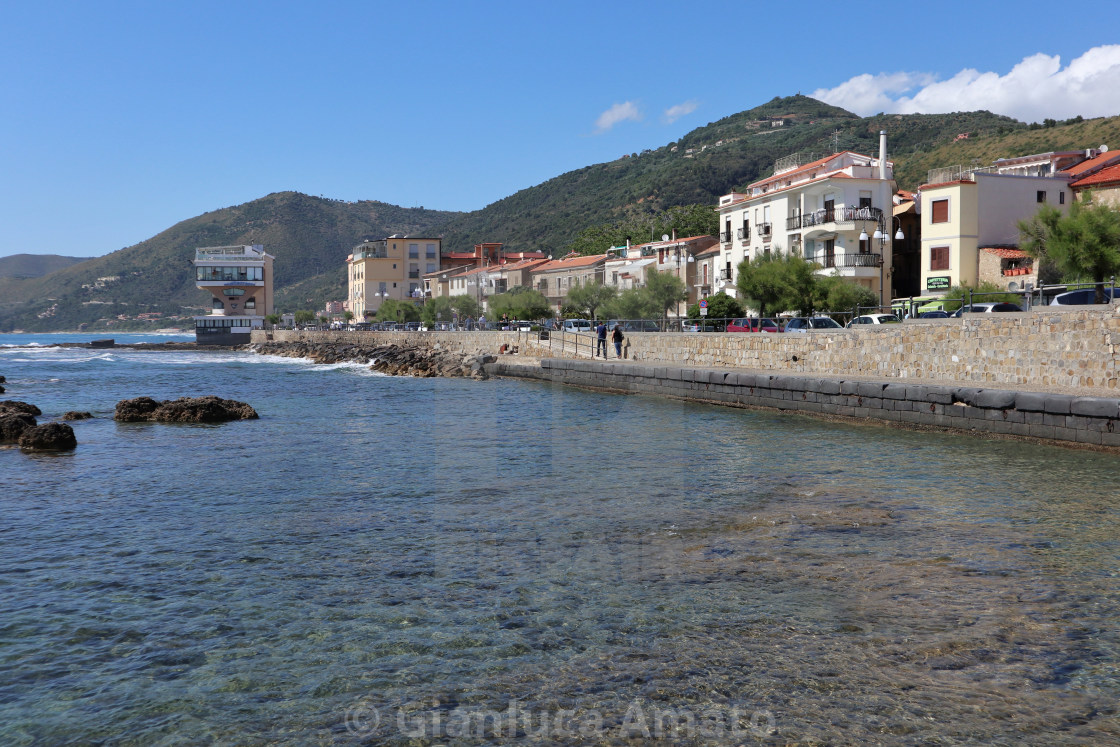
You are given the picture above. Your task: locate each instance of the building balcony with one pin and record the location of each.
(826, 217)
(844, 260)
(230, 253)
(765, 230)
(743, 234)
(725, 237)
(370, 254)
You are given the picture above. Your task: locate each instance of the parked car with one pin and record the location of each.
(1081, 296)
(934, 315)
(874, 319)
(805, 324)
(986, 307)
(753, 325)
(689, 327)
(577, 325)
(641, 325)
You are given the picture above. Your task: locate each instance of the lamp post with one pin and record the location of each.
(691, 259)
(898, 236)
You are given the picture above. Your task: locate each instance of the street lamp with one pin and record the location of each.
(690, 260)
(898, 236)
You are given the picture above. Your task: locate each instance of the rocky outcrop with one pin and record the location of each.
(12, 426)
(11, 407)
(395, 360)
(208, 409)
(48, 437)
(76, 415)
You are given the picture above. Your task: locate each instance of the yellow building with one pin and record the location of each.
(389, 268)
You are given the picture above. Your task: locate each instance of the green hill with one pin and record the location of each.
(309, 236)
(703, 165)
(34, 265)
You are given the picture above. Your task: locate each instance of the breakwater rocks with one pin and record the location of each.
(209, 409)
(395, 360)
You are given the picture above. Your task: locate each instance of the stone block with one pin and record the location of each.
(848, 387)
(1030, 401)
(1095, 407)
(999, 399)
(1058, 404)
(717, 377)
(1089, 437)
(939, 394)
(1042, 431)
(829, 386)
(895, 391)
(966, 394)
(870, 389)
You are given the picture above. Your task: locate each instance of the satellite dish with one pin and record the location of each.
(1012, 286)
(664, 237)
(1103, 149)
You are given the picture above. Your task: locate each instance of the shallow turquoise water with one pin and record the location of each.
(382, 560)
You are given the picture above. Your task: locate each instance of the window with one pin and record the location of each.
(865, 199)
(413, 251)
(1040, 196)
(1061, 198)
(250, 303)
(939, 258)
(233, 291)
(939, 211)
(430, 251)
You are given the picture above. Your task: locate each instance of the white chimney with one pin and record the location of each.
(883, 154)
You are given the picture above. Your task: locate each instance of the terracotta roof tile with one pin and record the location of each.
(1107, 175)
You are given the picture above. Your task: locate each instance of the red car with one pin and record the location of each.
(753, 325)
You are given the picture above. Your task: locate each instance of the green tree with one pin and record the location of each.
(437, 309)
(590, 297)
(835, 293)
(1084, 243)
(272, 319)
(779, 282)
(665, 290)
(957, 296)
(303, 316)
(521, 303)
(720, 306)
(396, 310)
(348, 315)
(632, 303)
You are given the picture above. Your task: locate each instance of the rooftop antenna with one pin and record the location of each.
(836, 141)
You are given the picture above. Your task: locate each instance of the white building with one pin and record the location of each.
(834, 210)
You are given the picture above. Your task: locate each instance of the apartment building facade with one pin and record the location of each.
(835, 210)
(381, 269)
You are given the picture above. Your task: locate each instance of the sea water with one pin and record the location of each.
(399, 560)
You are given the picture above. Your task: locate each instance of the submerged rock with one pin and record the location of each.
(48, 437)
(77, 415)
(208, 409)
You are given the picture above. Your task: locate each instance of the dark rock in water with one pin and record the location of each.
(48, 437)
(2, 379)
(102, 343)
(77, 415)
(12, 426)
(1, 390)
(183, 410)
(10, 406)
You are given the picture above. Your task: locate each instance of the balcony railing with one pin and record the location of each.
(744, 234)
(793, 223)
(839, 215)
(842, 260)
(415, 274)
(765, 230)
(725, 237)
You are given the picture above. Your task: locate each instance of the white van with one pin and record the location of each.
(577, 325)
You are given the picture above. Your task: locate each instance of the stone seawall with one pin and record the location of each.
(1047, 349)
(1093, 421)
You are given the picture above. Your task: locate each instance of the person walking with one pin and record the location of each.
(601, 333)
(616, 338)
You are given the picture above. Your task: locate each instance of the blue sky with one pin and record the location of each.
(122, 118)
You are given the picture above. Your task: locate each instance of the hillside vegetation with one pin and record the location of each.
(311, 236)
(34, 265)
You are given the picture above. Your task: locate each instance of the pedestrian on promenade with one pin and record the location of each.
(482, 321)
(601, 344)
(616, 338)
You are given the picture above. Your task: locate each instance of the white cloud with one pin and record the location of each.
(617, 113)
(673, 113)
(1036, 88)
